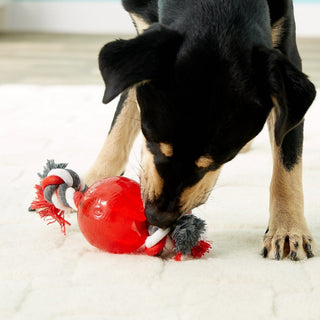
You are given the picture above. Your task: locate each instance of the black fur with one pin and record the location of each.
(120, 106)
(278, 9)
(292, 89)
(291, 148)
(148, 9)
(124, 63)
(205, 71)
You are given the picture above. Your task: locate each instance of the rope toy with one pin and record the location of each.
(111, 215)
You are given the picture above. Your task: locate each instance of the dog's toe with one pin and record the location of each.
(280, 244)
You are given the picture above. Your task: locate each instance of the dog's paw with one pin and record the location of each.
(294, 244)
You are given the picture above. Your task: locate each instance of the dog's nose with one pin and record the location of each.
(159, 218)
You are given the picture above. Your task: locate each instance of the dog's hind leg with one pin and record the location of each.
(114, 154)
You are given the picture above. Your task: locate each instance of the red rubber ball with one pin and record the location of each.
(111, 215)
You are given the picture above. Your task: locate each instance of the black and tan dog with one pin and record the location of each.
(200, 80)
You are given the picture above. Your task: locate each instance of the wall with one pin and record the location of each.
(68, 16)
(102, 16)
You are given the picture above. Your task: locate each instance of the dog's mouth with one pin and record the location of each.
(161, 219)
(164, 216)
(163, 211)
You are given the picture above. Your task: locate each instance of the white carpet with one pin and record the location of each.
(46, 275)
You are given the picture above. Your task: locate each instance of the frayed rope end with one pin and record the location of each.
(201, 249)
(197, 251)
(48, 211)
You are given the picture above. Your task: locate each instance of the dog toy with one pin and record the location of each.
(111, 214)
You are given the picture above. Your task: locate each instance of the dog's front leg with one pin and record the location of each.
(114, 154)
(287, 233)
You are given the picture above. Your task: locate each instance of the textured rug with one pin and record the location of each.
(46, 275)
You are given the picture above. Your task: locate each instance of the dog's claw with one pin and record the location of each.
(264, 252)
(309, 251)
(293, 256)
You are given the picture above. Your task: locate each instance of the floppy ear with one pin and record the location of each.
(290, 89)
(124, 63)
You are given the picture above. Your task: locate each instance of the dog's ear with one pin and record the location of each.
(150, 55)
(291, 91)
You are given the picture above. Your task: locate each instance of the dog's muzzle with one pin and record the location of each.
(159, 218)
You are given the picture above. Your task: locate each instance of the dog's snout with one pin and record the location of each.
(159, 218)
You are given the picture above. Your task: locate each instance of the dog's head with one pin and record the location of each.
(199, 105)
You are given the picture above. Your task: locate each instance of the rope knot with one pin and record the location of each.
(60, 191)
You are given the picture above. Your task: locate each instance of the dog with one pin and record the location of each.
(200, 80)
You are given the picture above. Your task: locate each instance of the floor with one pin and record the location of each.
(46, 275)
(49, 59)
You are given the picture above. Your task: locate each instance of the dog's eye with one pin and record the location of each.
(204, 161)
(166, 149)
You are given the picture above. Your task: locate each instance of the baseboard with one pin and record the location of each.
(109, 17)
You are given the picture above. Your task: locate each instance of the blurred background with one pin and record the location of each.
(53, 42)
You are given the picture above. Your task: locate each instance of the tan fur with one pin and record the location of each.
(247, 147)
(140, 24)
(204, 161)
(114, 154)
(277, 32)
(198, 194)
(166, 149)
(151, 182)
(286, 207)
(272, 118)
